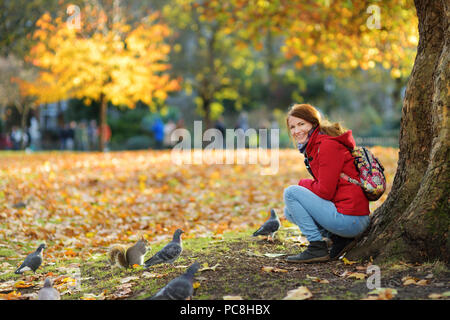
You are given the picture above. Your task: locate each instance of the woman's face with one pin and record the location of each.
(299, 128)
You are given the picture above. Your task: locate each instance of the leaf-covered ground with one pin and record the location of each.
(82, 203)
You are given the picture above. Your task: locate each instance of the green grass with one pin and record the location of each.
(104, 278)
(239, 271)
(5, 252)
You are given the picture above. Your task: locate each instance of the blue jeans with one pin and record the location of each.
(317, 217)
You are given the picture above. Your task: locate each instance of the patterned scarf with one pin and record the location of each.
(302, 146)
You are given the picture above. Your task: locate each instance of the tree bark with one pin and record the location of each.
(23, 124)
(413, 223)
(271, 99)
(103, 115)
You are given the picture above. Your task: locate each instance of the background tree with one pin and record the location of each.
(334, 36)
(340, 35)
(413, 223)
(12, 73)
(218, 69)
(258, 26)
(18, 22)
(116, 62)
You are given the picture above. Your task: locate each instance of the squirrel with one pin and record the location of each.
(128, 257)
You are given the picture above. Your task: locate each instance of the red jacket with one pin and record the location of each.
(328, 157)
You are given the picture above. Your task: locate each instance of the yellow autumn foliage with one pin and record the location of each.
(124, 64)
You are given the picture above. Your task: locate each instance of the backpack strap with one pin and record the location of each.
(342, 175)
(346, 177)
(308, 167)
(351, 180)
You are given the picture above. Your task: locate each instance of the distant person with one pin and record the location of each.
(158, 132)
(274, 123)
(106, 136)
(168, 129)
(180, 125)
(62, 136)
(81, 136)
(5, 142)
(264, 126)
(273, 126)
(327, 205)
(35, 134)
(77, 138)
(18, 138)
(70, 135)
(220, 125)
(13, 136)
(242, 121)
(92, 132)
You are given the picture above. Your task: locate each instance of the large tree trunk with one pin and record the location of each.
(413, 222)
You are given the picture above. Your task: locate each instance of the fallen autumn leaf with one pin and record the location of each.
(301, 293)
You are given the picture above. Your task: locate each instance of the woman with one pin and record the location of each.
(327, 205)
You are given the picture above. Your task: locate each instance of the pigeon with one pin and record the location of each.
(169, 253)
(48, 292)
(270, 227)
(179, 288)
(32, 261)
(19, 205)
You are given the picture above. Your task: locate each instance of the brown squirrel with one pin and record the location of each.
(128, 257)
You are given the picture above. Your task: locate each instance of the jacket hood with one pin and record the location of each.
(345, 139)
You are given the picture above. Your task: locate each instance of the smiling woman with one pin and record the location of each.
(310, 116)
(327, 205)
(299, 128)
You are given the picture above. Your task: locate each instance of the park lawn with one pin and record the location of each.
(82, 203)
(236, 265)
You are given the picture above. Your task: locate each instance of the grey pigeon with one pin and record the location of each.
(270, 227)
(19, 205)
(32, 261)
(169, 253)
(179, 288)
(48, 292)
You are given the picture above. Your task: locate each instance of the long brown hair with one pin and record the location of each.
(309, 113)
